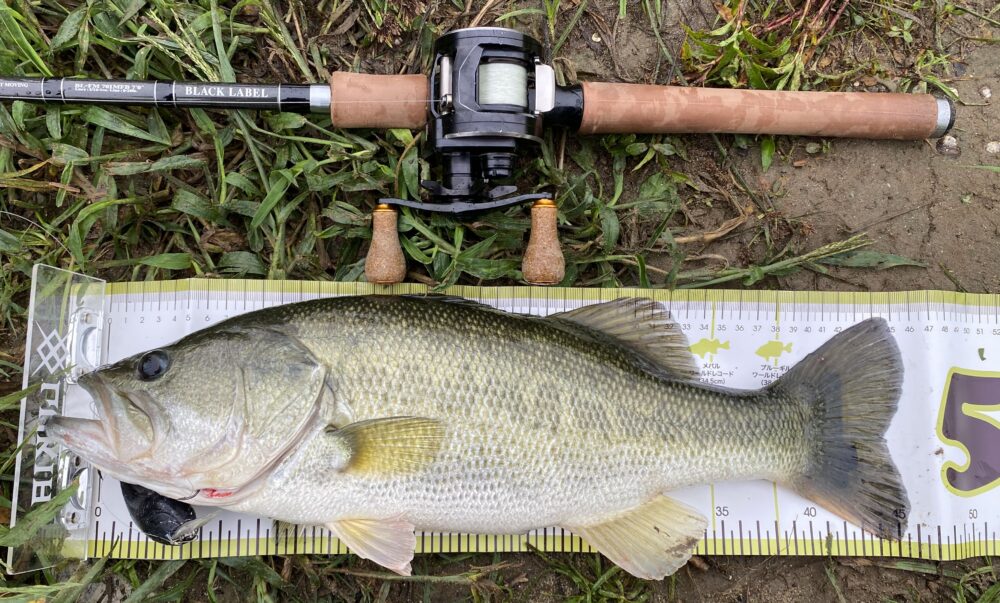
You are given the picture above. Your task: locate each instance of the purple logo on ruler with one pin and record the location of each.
(965, 421)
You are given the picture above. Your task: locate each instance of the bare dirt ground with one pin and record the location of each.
(913, 200)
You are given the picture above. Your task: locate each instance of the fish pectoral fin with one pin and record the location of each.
(388, 542)
(643, 326)
(650, 541)
(390, 445)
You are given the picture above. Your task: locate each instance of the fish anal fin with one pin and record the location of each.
(390, 445)
(642, 325)
(650, 541)
(388, 542)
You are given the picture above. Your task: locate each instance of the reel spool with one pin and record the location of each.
(489, 90)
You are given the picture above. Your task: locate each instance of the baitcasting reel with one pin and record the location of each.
(489, 91)
(486, 103)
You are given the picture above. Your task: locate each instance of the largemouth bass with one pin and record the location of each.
(378, 416)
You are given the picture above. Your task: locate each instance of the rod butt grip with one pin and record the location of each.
(543, 259)
(385, 263)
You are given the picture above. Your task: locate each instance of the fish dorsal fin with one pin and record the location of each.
(389, 445)
(650, 541)
(388, 542)
(643, 326)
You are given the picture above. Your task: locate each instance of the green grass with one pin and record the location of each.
(133, 194)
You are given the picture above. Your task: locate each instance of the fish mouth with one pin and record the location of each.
(86, 437)
(120, 415)
(113, 442)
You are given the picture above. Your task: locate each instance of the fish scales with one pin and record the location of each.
(541, 424)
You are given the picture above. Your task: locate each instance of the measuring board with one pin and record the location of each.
(948, 418)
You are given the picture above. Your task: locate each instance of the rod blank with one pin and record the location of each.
(296, 98)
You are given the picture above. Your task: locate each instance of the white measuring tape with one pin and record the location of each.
(950, 407)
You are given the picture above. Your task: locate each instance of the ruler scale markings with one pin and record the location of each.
(952, 309)
(965, 537)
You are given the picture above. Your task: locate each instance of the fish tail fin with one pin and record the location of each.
(851, 387)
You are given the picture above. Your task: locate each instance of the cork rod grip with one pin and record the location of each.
(359, 100)
(642, 109)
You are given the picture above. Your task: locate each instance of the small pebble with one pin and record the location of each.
(948, 145)
(595, 37)
(985, 92)
(993, 147)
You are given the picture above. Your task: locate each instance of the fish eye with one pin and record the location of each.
(153, 364)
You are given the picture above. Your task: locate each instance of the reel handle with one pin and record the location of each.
(543, 262)
(385, 263)
(643, 109)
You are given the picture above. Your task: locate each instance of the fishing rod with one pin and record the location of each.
(486, 102)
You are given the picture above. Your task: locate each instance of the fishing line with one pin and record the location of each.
(40, 227)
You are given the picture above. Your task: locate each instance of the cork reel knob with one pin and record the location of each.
(385, 264)
(543, 259)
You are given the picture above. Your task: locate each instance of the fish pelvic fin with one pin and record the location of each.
(388, 542)
(641, 325)
(851, 387)
(650, 541)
